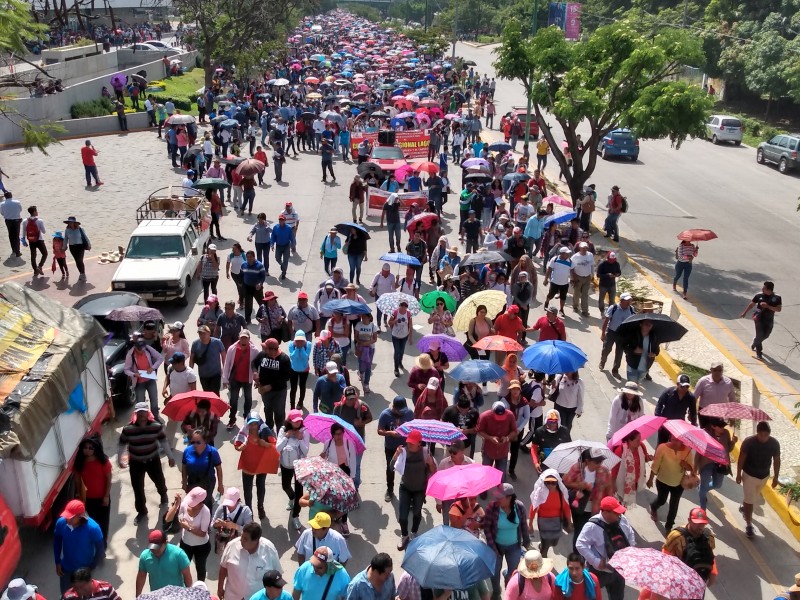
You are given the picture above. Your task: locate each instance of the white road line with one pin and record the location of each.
(668, 201)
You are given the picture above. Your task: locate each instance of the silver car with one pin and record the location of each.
(724, 128)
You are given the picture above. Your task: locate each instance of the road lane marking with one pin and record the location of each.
(671, 203)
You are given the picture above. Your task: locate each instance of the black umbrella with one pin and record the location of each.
(478, 178)
(143, 73)
(308, 115)
(470, 63)
(344, 228)
(194, 151)
(485, 257)
(370, 167)
(381, 114)
(666, 329)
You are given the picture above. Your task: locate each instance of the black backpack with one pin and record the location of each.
(613, 535)
(698, 553)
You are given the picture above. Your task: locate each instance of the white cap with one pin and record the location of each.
(563, 249)
(331, 367)
(212, 247)
(433, 383)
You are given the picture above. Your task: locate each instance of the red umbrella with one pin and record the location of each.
(697, 235)
(427, 167)
(425, 220)
(734, 410)
(698, 440)
(497, 342)
(250, 167)
(182, 404)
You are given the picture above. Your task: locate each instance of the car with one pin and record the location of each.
(620, 143)
(781, 150)
(388, 158)
(160, 45)
(118, 340)
(150, 47)
(724, 128)
(521, 112)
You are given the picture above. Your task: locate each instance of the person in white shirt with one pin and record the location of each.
(558, 275)
(384, 282)
(194, 519)
(208, 150)
(180, 379)
(244, 563)
(326, 293)
(293, 221)
(320, 534)
(582, 275)
(318, 126)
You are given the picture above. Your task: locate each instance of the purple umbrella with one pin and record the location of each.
(447, 344)
(118, 81)
(319, 427)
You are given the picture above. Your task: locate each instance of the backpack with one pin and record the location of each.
(613, 536)
(624, 207)
(698, 553)
(32, 229)
(521, 583)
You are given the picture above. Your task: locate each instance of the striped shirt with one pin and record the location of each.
(142, 440)
(685, 253)
(101, 590)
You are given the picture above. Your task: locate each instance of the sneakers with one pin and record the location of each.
(749, 532)
(344, 529)
(616, 374)
(296, 524)
(262, 514)
(140, 517)
(387, 497)
(289, 505)
(231, 424)
(403, 543)
(367, 390)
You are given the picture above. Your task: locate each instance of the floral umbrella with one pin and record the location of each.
(327, 483)
(388, 303)
(663, 573)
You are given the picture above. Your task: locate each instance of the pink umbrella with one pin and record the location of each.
(362, 88)
(452, 116)
(734, 410)
(664, 574)
(557, 200)
(646, 425)
(402, 172)
(698, 440)
(463, 481)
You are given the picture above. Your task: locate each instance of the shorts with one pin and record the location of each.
(752, 488)
(558, 290)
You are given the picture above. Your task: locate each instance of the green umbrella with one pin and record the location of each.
(211, 183)
(428, 301)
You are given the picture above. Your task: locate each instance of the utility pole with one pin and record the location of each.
(426, 16)
(685, 12)
(455, 30)
(534, 27)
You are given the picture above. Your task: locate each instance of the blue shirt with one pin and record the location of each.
(253, 274)
(211, 353)
(299, 356)
(414, 183)
(166, 570)
(360, 588)
(262, 595)
(389, 421)
(75, 548)
(312, 586)
(534, 228)
(282, 235)
(327, 392)
(202, 465)
(172, 136)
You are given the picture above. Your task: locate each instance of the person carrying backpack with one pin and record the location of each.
(534, 573)
(694, 545)
(33, 231)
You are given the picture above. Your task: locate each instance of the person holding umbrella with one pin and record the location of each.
(256, 444)
(641, 346)
(341, 452)
(588, 482)
(625, 407)
(685, 253)
(670, 463)
(506, 531)
(712, 473)
(415, 465)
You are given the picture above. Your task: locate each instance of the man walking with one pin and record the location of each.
(766, 304)
(758, 453)
(607, 273)
(674, 403)
(391, 211)
(209, 354)
(613, 318)
(558, 276)
(88, 153)
(714, 388)
(326, 151)
(376, 582)
(614, 208)
(271, 371)
(388, 421)
(141, 366)
(694, 545)
(11, 211)
(253, 276)
(582, 275)
(283, 240)
(33, 236)
(77, 543)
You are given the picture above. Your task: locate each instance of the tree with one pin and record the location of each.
(617, 77)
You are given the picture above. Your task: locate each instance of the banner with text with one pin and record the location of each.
(414, 143)
(566, 16)
(378, 197)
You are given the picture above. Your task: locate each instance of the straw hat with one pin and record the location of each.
(631, 387)
(424, 362)
(534, 566)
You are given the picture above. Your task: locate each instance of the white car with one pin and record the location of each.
(724, 128)
(151, 47)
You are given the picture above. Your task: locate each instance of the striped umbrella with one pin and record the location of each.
(436, 432)
(735, 410)
(698, 440)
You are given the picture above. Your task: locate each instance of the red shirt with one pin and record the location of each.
(87, 155)
(261, 156)
(241, 365)
(509, 325)
(550, 331)
(497, 426)
(94, 477)
(579, 591)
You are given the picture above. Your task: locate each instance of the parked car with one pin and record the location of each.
(118, 340)
(150, 47)
(724, 128)
(781, 150)
(388, 158)
(621, 143)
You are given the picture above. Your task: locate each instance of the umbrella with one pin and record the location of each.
(557, 200)
(181, 119)
(344, 228)
(250, 167)
(663, 574)
(452, 347)
(433, 431)
(232, 160)
(554, 356)
(219, 119)
(474, 162)
(485, 257)
(327, 483)
(697, 235)
(422, 222)
(181, 405)
(135, 313)
(735, 410)
(388, 303)
(118, 80)
(428, 301)
(194, 151)
(211, 183)
(493, 300)
(478, 178)
(319, 427)
(477, 371)
(646, 425)
(516, 177)
(229, 123)
(449, 558)
(332, 115)
(560, 218)
(499, 147)
(313, 96)
(462, 481)
(401, 259)
(281, 82)
(173, 592)
(380, 114)
(403, 172)
(348, 307)
(427, 167)
(698, 440)
(567, 454)
(664, 327)
(497, 343)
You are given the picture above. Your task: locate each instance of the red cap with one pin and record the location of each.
(415, 437)
(156, 539)
(302, 296)
(612, 504)
(699, 516)
(74, 508)
(513, 309)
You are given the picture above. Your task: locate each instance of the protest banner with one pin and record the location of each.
(378, 197)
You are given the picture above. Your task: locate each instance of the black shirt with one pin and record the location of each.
(544, 438)
(273, 371)
(467, 420)
(670, 406)
(758, 456)
(472, 229)
(605, 272)
(766, 315)
(392, 212)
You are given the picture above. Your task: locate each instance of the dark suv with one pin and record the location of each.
(781, 150)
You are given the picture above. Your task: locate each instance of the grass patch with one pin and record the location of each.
(694, 372)
(183, 88)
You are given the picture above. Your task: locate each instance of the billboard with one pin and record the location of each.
(567, 17)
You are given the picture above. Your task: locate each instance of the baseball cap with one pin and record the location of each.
(414, 437)
(612, 504)
(281, 217)
(350, 392)
(178, 357)
(553, 309)
(386, 267)
(498, 408)
(626, 296)
(325, 335)
(231, 498)
(399, 401)
(273, 579)
(596, 454)
(612, 255)
(272, 343)
(504, 491)
(331, 367)
(141, 407)
(563, 249)
(323, 554)
(514, 308)
(203, 329)
(195, 496)
(302, 296)
(294, 416)
(716, 365)
(683, 380)
(244, 334)
(156, 539)
(176, 326)
(253, 418)
(74, 508)
(698, 515)
(583, 245)
(212, 247)
(433, 383)
(320, 521)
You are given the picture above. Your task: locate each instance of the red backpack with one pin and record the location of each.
(32, 230)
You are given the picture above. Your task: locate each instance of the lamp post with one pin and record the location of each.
(534, 27)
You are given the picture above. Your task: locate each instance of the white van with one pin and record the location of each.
(724, 128)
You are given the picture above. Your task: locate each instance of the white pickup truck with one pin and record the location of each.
(165, 248)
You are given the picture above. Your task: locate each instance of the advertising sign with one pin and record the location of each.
(572, 29)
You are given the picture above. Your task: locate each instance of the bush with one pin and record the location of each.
(100, 107)
(180, 103)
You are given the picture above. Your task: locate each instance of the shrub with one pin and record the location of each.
(180, 103)
(100, 107)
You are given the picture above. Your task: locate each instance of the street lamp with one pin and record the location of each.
(534, 27)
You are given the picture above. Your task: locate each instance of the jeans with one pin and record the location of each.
(357, 478)
(149, 387)
(292, 488)
(612, 339)
(399, 345)
(682, 268)
(674, 492)
(212, 383)
(209, 285)
(282, 257)
(248, 196)
(151, 468)
(611, 226)
(355, 261)
(541, 161)
(345, 350)
(501, 464)
(635, 374)
(297, 380)
(274, 407)
(710, 479)
(330, 263)
(409, 502)
(327, 167)
(603, 291)
(512, 554)
(91, 171)
(200, 555)
(77, 251)
(395, 231)
(247, 488)
(262, 253)
(234, 387)
(456, 154)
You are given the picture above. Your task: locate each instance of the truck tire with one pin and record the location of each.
(184, 300)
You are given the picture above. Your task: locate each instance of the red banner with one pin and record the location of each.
(414, 143)
(10, 548)
(377, 198)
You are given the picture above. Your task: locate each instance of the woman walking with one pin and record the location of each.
(293, 443)
(78, 243)
(208, 271)
(402, 330)
(629, 474)
(479, 327)
(685, 253)
(342, 452)
(569, 398)
(194, 519)
(712, 474)
(340, 330)
(671, 462)
(441, 319)
(589, 482)
(550, 508)
(299, 353)
(625, 407)
(202, 466)
(174, 341)
(329, 250)
(262, 232)
(233, 270)
(506, 531)
(356, 250)
(92, 471)
(258, 458)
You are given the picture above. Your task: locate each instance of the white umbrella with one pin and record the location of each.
(565, 455)
(388, 303)
(280, 82)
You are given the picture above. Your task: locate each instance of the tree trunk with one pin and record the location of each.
(769, 103)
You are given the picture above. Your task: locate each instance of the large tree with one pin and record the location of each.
(619, 76)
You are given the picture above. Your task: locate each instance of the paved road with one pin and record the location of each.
(134, 165)
(750, 206)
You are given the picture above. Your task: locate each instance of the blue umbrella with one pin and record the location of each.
(500, 147)
(560, 218)
(401, 259)
(516, 177)
(449, 558)
(395, 123)
(344, 228)
(553, 356)
(419, 84)
(229, 123)
(348, 307)
(477, 371)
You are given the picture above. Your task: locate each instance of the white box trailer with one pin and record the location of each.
(54, 392)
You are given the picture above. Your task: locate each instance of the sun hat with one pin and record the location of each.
(424, 362)
(18, 589)
(71, 220)
(514, 384)
(631, 387)
(269, 295)
(533, 566)
(320, 521)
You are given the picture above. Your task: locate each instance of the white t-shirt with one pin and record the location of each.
(179, 381)
(561, 270)
(365, 331)
(383, 285)
(583, 265)
(400, 328)
(536, 396)
(201, 520)
(236, 262)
